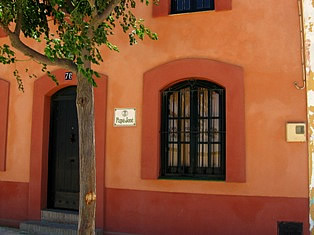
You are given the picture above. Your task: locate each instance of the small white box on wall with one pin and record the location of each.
(296, 132)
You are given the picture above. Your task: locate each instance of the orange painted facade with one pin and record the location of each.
(261, 41)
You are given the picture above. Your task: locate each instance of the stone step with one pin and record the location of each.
(51, 228)
(60, 216)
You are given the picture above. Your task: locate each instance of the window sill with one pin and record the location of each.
(189, 12)
(192, 178)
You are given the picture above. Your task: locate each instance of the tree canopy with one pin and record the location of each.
(72, 30)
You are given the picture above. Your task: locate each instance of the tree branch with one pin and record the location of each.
(98, 19)
(19, 18)
(35, 55)
(5, 29)
(92, 3)
(93, 7)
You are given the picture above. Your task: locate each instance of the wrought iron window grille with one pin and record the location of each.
(193, 131)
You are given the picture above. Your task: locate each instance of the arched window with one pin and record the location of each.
(193, 130)
(231, 154)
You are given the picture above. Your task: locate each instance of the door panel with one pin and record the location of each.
(63, 173)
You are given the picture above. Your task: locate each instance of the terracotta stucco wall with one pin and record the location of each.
(261, 37)
(263, 40)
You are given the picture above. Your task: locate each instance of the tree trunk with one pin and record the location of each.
(85, 113)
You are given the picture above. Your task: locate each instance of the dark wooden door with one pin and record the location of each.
(63, 166)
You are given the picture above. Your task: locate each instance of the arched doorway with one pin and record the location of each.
(63, 160)
(44, 89)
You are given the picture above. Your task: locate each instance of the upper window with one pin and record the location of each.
(166, 7)
(180, 6)
(193, 131)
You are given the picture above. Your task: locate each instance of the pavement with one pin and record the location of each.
(11, 231)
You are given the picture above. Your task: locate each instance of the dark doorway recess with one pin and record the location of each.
(63, 165)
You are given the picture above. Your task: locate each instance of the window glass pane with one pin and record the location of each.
(206, 3)
(170, 105)
(185, 154)
(215, 155)
(191, 5)
(173, 155)
(173, 105)
(215, 104)
(187, 5)
(203, 102)
(185, 131)
(185, 102)
(200, 102)
(202, 160)
(199, 4)
(215, 130)
(180, 4)
(173, 130)
(203, 130)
